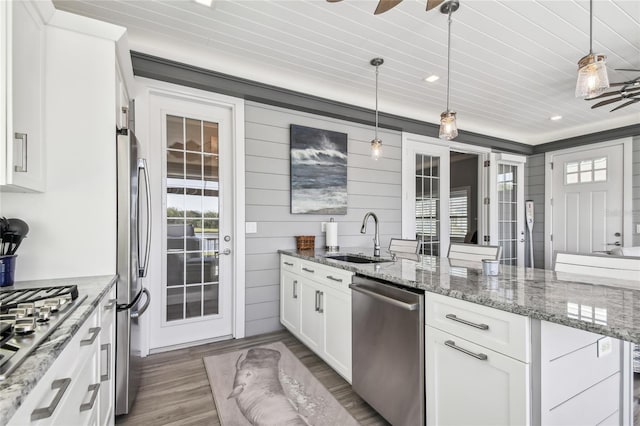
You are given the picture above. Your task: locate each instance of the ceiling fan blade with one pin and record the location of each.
(384, 5)
(615, 92)
(607, 102)
(433, 3)
(333, 1)
(633, 101)
(627, 69)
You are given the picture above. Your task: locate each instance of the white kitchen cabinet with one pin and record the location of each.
(320, 314)
(468, 384)
(290, 301)
(71, 391)
(22, 150)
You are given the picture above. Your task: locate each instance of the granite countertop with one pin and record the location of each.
(599, 305)
(17, 386)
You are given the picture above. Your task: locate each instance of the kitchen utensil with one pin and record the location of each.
(17, 239)
(18, 226)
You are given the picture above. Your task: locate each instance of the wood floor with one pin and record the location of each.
(174, 389)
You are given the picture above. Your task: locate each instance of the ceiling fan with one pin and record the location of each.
(385, 5)
(630, 91)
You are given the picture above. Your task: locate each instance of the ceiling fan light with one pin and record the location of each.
(376, 148)
(448, 126)
(592, 76)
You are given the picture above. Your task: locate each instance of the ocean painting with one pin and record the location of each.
(318, 171)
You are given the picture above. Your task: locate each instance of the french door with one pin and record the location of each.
(194, 288)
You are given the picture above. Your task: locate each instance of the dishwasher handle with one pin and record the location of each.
(386, 299)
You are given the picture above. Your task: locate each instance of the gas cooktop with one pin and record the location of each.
(27, 317)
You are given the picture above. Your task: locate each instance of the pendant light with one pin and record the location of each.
(592, 71)
(448, 126)
(376, 143)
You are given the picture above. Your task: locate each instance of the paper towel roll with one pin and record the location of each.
(332, 235)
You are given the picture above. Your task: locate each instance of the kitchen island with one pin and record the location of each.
(528, 346)
(30, 376)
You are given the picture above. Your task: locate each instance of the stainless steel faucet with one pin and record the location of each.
(376, 238)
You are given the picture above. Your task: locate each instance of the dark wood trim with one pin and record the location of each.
(157, 68)
(606, 135)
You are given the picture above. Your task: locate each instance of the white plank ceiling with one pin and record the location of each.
(513, 63)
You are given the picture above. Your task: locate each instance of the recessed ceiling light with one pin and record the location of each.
(204, 2)
(431, 78)
(555, 117)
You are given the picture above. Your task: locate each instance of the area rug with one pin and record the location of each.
(267, 385)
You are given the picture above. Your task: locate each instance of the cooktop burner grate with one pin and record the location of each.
(10, 299)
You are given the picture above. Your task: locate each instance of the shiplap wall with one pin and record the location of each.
(534, 190)
(372, 186)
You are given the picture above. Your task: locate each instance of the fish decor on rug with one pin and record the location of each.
(259, 392)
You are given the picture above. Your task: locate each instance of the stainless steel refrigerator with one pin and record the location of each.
(132, 262)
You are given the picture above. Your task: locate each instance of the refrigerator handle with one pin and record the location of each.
(140, 311)
(142, 166)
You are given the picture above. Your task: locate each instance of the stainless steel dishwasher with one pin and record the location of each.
(388, 349)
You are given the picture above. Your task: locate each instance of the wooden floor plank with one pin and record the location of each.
(174, 388)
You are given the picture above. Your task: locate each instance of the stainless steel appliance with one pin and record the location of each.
(28, 316)
(388, 349)
(132, 263)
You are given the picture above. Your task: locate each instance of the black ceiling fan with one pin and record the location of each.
(385, 5)
(629, 92)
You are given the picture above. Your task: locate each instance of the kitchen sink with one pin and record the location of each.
(356, 259)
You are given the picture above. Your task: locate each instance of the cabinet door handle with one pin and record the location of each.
(317, 296)
(452, 345)
(110, 304)
(309, 270)
(95, 388)
(320, 301)
(465, 322)
(334, 278)
(295, 292)
(22, 168)
(288, 263)
(45, 412)
(94, 331)
(106, 348)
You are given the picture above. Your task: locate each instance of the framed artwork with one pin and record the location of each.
(318, 171)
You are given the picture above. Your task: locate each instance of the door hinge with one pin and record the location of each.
(551, 164)
(551, 237)
(486, 238)
(551, 202)
(486, 201)
(487, 163)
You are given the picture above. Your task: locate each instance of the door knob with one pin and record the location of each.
(617, 243)
(226, 252)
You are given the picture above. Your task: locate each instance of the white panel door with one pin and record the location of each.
(194, 294)
(587, 205)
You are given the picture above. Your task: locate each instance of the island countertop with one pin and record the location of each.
(599, 305)
(15, 388)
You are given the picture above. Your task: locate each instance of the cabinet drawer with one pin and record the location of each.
(494, 329)
(335, 278)
(288, 263)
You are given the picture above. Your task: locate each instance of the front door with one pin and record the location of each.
(195, 294)
(587, 200)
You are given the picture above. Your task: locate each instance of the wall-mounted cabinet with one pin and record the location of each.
(22, 150)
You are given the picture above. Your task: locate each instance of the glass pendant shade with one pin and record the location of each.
(448, 126)
(376, 148)
(592, 76)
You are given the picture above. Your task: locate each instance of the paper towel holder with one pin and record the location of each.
(331, 248)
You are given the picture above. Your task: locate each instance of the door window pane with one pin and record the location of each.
(507, 213)
(427, 204)
(192, 218)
